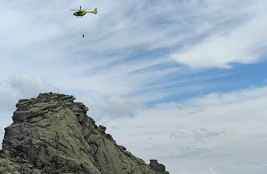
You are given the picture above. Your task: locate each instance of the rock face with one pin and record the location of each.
(52, 134)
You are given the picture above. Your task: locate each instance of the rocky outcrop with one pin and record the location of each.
(156, 166)
(52, 134)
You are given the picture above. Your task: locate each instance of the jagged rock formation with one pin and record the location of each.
(52, 134)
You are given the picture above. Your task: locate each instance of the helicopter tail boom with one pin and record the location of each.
(93, 11)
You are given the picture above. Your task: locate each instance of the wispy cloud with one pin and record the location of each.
(244, 43)
(225, 132)
(139, 59)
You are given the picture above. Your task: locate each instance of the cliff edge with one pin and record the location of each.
(52, 134)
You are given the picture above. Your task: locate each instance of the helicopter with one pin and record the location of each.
(82, 11)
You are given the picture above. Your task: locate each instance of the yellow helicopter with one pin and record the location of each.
(82, 12)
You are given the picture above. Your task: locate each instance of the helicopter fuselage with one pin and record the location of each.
(80, 13)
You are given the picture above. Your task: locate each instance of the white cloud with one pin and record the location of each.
(42, 45)
(245, 43)
(222, 132)
(27, 86)
(17, 87)
(205, 33)
(199, 135)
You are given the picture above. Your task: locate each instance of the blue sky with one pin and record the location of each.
(189, 76)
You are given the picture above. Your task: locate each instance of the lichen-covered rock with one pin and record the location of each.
(52, 134)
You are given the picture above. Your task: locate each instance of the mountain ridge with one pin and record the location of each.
(52, 134)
